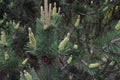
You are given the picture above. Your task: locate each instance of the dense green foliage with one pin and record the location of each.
(81, 42)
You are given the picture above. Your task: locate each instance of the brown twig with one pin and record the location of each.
(105, 48)
(115, 40)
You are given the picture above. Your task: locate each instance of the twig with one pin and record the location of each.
(105, 48)
(84, 62)
(114, 41)
(47, 40)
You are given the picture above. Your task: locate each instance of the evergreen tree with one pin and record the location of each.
(59, 40)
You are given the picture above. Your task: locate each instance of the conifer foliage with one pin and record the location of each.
(59, 39)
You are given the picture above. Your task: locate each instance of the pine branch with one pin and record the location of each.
(114, 41)
(47, 40)
(105, 48)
